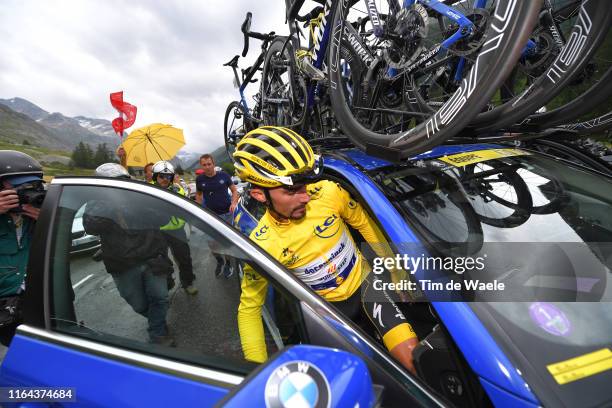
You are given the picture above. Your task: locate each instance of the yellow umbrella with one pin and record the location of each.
(152, 143)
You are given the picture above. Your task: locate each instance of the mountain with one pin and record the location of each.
(100, 127)
(26, 107)
(16, 127)
(65, 131)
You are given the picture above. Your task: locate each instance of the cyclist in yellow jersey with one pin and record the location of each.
(305, 228)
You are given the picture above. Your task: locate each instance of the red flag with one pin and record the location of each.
(124, 108)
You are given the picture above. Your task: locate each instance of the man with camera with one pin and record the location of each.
(21, 195)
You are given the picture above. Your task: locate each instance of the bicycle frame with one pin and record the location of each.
(323, 33)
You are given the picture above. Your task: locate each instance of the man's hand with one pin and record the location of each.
(8, 200)
(232, 207)
(30, 211)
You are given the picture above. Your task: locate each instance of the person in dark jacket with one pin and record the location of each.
(21, 194)
(134, 252)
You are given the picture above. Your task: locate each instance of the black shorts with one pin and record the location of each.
(381, 311)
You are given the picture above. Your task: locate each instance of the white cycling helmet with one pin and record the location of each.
(112, 170)
(163, 167)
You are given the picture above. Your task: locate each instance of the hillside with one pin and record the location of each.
(54, 162)
(54, 130)
(16, 127)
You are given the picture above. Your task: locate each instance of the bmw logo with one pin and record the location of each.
(297, 384)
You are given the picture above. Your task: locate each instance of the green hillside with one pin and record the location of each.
(16, 127)
(54, 162)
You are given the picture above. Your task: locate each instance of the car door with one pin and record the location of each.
(82, 328)
(83, 331)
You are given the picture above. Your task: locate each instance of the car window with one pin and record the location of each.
(118, 292)
(538, 222)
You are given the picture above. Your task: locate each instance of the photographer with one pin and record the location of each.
(21, 195)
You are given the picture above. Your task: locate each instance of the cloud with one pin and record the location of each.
(167, 57)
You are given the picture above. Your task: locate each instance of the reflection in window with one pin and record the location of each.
(123, 292)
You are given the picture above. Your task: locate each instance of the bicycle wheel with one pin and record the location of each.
(236, 124)
(597, 95)
(596, 125)
(497, 36)
(586, 36)
(283, 101)
(497, 193)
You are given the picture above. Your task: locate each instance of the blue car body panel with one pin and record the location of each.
(350, 386)
(504, 399)
(479, 348)
(99, 381)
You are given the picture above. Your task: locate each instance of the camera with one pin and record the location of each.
(29, 193)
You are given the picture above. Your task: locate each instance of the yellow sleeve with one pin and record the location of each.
(353, 213)
(250, 324)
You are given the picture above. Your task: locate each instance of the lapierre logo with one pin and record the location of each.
(329, 228)
(297, 384)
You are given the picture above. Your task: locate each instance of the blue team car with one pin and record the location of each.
(539, 226)
(514, 331)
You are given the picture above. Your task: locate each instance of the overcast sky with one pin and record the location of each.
(68, 56)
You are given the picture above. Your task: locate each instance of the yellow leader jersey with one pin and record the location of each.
(318, 249)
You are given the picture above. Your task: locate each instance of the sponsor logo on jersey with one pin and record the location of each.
(328, 228)
(261, 234)
(288, 257)
(315, 192)
(297, 384)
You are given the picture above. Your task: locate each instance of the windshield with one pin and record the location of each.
(544, 228)
(539, 226)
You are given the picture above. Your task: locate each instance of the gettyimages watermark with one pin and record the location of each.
(497, 272)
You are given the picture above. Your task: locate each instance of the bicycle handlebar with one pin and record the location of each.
(246, 27)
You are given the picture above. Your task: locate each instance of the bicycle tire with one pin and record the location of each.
(231, 134)
(510, 27)
(597, 94)
(278, 106)
(596, 125)
(586, 36)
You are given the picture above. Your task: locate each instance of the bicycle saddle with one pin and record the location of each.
(233, 62)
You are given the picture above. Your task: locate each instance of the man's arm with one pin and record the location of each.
(235, 198)
(250, 324)
(353, 213)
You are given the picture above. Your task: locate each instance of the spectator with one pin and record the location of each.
(174, 231)
(21, 195)
(212, 192)
(148, 172)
